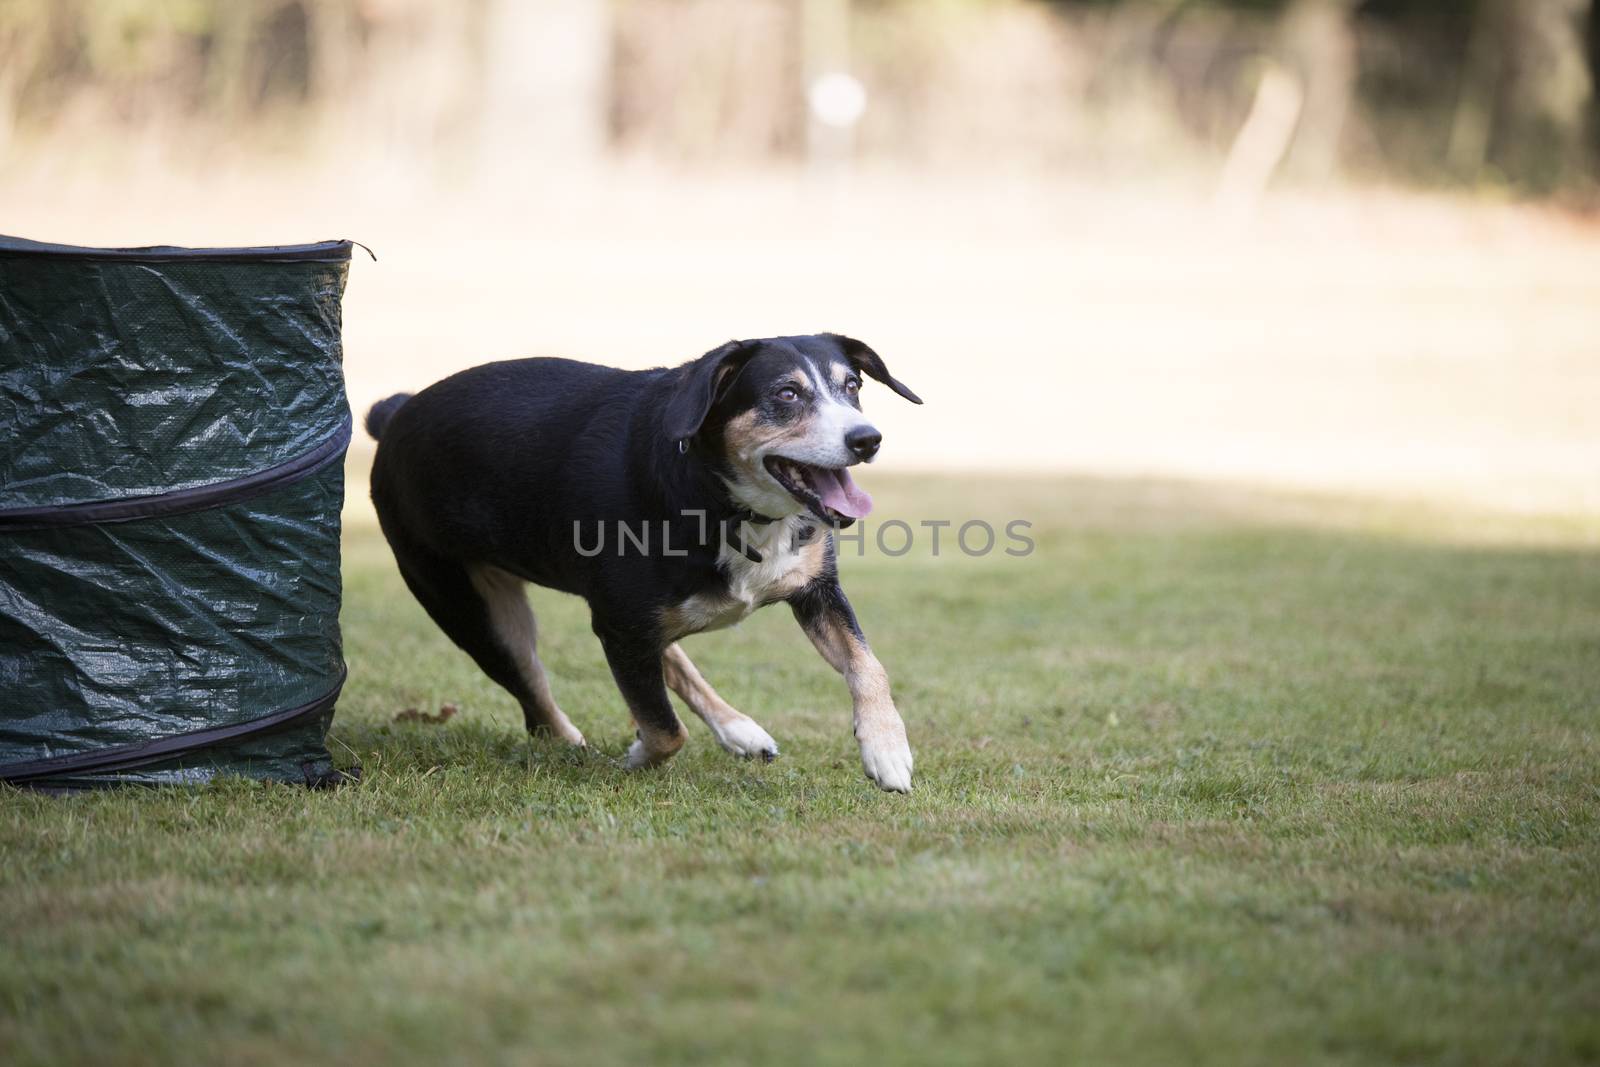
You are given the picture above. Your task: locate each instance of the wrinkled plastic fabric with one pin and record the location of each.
(123, 379)
(128, 378)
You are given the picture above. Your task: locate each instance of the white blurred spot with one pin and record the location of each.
(837, 100)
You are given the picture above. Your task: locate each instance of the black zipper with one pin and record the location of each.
(128, 757)
(181, 501)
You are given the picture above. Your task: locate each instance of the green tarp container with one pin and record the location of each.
(172, 425)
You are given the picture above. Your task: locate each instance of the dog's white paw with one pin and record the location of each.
(745, 738)
(641, 755)
(887, 761)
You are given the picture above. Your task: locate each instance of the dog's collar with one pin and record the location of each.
(731, 534)
(731, 524)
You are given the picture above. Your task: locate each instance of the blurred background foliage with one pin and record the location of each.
(1470, 93)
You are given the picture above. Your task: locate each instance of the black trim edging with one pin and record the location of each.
(181, 501)
(320, 252)
(129, 757)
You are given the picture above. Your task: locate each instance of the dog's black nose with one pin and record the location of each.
(863, 441)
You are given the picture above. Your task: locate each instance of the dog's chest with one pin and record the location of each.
(789, 560)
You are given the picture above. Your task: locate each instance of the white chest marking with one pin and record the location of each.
(784, 568)
(752, 583)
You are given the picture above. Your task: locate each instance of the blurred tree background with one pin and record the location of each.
(1469, 93)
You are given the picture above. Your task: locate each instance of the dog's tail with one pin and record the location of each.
(379, 414)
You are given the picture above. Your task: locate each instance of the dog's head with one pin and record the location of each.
(781, 421)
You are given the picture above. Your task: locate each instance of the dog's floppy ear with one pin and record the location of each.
(698, 385)
(871, 364)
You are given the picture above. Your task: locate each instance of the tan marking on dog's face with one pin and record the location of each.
(788, 404)
(816, 437)
(748, 436)
(747, 440)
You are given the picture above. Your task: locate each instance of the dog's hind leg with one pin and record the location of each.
(514, 648)
(735, 731)
(486, 613)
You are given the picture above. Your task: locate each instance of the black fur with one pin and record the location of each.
(871, 364)
(379, 414)
(690, 404)
(496, 464)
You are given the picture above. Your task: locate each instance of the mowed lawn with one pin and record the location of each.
(1213, 776)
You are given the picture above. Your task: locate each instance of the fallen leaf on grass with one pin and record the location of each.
(446, 711)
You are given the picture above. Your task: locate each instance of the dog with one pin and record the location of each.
(723, 481)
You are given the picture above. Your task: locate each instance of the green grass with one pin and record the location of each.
(1213, 776)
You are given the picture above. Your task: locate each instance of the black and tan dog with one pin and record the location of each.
(673, 500)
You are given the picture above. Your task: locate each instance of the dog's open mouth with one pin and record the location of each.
(830, 492)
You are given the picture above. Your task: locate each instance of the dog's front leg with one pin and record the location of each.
(636, 665)
(825, 615)
(735, 731)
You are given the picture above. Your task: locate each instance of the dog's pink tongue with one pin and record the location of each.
(839, 492)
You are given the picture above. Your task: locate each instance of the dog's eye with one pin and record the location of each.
(788, 394)
(852, 386)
